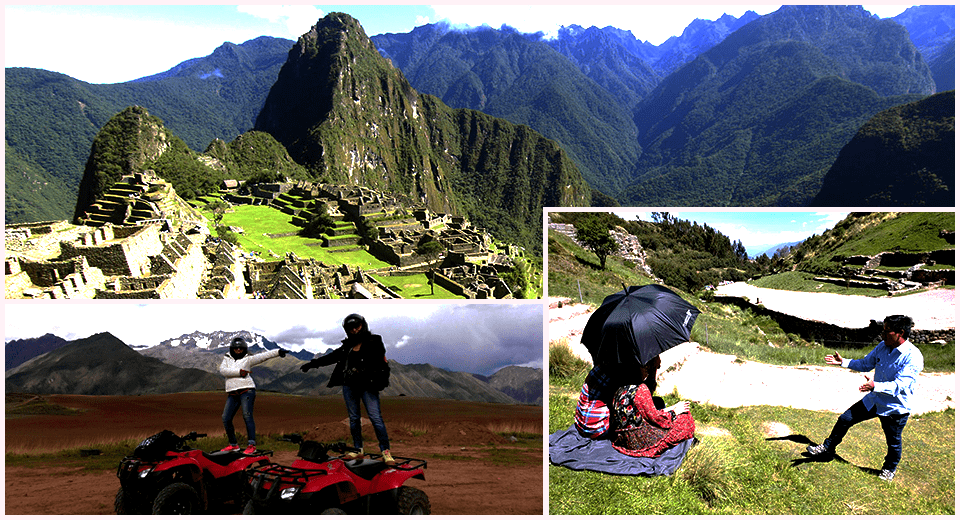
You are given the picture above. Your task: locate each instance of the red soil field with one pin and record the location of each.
(460, 477)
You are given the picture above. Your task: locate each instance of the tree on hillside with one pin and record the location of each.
(368, 230)
(594, 234)
(218, 207)
(321, 222)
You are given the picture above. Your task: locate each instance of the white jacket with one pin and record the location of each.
(230, 369)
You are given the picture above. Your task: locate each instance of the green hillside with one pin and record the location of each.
(904, 156)
(525, 81)
(870, 234)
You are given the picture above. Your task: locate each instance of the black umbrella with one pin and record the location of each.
(635, 325)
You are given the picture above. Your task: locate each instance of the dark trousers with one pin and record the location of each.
(244, 403)
(371, 400)
(892, 428)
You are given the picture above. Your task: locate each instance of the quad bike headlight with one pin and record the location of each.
(144, 473)
(288, 493)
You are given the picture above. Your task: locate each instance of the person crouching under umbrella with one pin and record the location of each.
(643, 430)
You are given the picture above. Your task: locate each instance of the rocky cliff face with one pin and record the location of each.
(348, 115)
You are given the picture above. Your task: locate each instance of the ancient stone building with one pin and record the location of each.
(306, 278)
(144, 261)
(141, 198)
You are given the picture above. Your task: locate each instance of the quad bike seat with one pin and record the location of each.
(365, 468)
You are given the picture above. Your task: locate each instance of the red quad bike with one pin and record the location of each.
(164, 476)
(320, 484)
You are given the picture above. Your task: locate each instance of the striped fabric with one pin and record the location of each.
(592, 417)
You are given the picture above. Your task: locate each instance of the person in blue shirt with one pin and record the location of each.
(897, 363)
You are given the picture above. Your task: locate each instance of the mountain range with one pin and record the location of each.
(19, 351)
(749, 111)
(51, 119)
(739, 111)
(104, 365)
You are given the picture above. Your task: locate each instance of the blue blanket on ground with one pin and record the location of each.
(570, 449)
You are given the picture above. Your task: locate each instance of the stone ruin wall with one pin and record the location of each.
(186, 281)
(129, 255)
(34, 235)
(47, 273)
(945, 276)
(903, 259)
(897, 259)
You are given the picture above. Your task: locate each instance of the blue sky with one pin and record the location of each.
(116, 43)
(479, 338)
(758, 230)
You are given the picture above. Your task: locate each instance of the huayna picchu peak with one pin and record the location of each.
(345, 113)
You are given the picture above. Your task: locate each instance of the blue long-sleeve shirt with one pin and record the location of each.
(895, 378)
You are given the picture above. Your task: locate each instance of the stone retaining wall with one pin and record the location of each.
(832, 336)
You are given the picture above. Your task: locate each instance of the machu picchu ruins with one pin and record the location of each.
(141, 240)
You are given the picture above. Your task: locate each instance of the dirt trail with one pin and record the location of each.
(720, 379)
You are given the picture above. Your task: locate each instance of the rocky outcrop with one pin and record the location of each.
(124, 145)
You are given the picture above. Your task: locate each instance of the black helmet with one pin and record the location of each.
(240, 343)
(352, 321)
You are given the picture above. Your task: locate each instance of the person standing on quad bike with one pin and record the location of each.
(241, 390)
(363, 371)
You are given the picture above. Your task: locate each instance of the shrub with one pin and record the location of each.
(704, 470)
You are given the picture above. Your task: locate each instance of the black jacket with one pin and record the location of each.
(372, 355)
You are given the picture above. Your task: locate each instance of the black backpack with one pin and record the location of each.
(380, 376)
(156, 446)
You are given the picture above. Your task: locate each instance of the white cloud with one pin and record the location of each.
(886, 11)
(298, 19)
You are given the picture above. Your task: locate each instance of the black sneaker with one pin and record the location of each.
(887, 474)
(819, 449)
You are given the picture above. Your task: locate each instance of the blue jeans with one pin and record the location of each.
(371, 400)
(892, 429)
(243, 401)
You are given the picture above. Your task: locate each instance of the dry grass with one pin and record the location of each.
(513, 427)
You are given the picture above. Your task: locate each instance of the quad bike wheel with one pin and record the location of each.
(412, 501)
(178, 498)
(333, 511)
(250, 508)
(124, 504)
